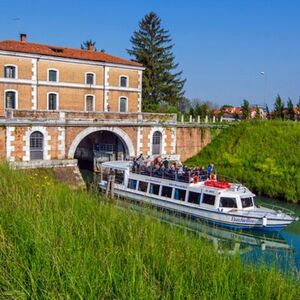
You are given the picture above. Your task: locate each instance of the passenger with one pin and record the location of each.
(166, 163)
(210, 168)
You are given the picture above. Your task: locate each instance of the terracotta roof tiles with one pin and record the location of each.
(34, 48)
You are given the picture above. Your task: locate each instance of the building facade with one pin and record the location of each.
(59, 103)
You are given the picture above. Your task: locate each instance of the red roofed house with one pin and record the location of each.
(59, 103)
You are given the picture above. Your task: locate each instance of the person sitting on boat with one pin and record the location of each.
(166, 163)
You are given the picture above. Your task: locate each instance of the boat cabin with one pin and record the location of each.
(223, 199)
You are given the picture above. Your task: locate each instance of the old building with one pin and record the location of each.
(58, 103)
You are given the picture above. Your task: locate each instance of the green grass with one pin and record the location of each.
(59, 244)
(265, 156)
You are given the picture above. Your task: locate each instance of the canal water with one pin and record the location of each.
(281, 250)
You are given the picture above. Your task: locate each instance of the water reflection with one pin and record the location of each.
(281, 250)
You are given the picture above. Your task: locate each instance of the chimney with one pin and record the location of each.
(90, 46)
(23, 38)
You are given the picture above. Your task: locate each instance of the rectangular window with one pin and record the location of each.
(123, 104)
(143, 186)
(123, 81)
(247, 202)
(132, 184)
(10, 100)
(52, 75)
(228, 202)
(166, 191)
(10, 72)
(154, 189)
(52, 102)
(208, 199)
(89, 78)
(194, 197)
(89, 105)
(179, 194)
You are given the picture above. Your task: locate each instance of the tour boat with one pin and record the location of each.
(222, 203)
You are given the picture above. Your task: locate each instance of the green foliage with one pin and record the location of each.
(245, 109)
(60, 244)
(152, 47)
(279, 108)
(290, 109)
(262, 155)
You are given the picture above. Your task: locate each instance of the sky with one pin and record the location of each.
(222, 46)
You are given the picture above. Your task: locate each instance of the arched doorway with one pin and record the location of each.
(103, 145)
(36, 145)
(156, 142)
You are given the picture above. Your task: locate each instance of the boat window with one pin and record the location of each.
(194, 197)
(154, 189)
(166, 191)
(228, 202)
(208, 199)
(179, 194)
(247, 202)
(143, 186)
(132, 184)
(119, 176)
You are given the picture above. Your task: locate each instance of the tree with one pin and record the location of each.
(290, 109)
(245, 109)
(87, 44)
(257, 113)
(298, 104)
(268, 113)
(151, 46)
(279, 108)
(90, 43)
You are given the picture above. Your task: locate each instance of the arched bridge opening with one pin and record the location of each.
(100, 146)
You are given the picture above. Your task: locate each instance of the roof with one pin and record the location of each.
(33, 48)
(117, 164)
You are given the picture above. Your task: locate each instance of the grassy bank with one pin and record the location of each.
(59, 244)
(265, 156)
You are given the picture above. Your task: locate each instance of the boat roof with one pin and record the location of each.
(117, 164)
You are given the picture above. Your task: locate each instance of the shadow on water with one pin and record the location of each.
(281, 250)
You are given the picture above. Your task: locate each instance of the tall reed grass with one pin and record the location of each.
(59, 244)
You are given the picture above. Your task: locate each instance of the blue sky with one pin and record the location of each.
(221, 46)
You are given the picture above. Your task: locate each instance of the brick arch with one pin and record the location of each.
(119, 132)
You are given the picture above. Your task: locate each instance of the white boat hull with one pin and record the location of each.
(236, 219)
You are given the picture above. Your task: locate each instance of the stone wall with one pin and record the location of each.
(189, 140)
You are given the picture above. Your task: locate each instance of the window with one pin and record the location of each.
(36, 145)
(156, 142)
(123, 104)
(154, 189)
(166, 191)
(123, 81)
(89, 78)
(132, 184)
(143, 186)
(247, 202)
(208, 199)
(10, 100)
(10, 72)
(194, 197)
(52, 75)
(89, 103)
(179, 194)
(228, 202)
(52, 101)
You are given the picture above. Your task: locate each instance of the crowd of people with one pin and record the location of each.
(164, 168)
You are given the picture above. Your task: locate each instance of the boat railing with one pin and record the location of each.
(278, 209)
(169, 174)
